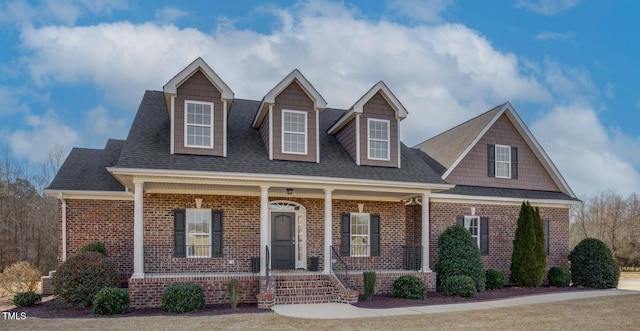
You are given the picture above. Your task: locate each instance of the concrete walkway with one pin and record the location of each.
(342, 311)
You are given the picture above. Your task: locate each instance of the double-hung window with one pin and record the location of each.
(378, 139)
(294, 132)
(198, 224)
(503, 161)
(198, 122)
(472, 223)
(359, 234)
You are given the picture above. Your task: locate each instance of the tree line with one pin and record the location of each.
(612, 218)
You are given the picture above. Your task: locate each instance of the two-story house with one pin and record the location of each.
(284, 193)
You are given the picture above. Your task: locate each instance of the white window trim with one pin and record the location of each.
(502, 162)
(186, 124)
(186, 227)
(305, 133)
(369, 139)
(368, 235)
(477, 218)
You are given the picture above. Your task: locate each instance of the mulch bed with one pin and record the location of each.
(439, 298)
(54, 308)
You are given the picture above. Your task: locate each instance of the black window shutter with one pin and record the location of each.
(216, 233)
(514, 162)
(345, 234)
(484, 235)
(491, 160)
(545, 228)
(460, 220)
(375, 234)
(179, 225)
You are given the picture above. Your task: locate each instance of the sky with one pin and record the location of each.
(73, 72)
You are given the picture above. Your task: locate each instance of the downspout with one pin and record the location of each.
(64, 226)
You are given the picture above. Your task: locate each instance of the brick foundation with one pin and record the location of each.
(384, 280)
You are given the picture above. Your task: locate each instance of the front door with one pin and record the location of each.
(283, 238)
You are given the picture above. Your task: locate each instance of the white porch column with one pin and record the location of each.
(328, 206)
(425, 233)
(264, 228)
(138, 231)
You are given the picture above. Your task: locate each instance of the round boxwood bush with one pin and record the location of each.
(409, 287)
(559, 276)
(95, 246)
(110, 301)
(459, 255)
(182, 298)
(592, 265)
(82, 276)
(20, 277)
(495, 279)
(26, 299)
(460, 286)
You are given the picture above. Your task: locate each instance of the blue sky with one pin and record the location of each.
(72, 72)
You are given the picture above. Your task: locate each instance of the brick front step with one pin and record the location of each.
(283, 300)
(325, 290)
(303, 284)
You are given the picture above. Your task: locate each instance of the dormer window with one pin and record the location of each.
(378, 139)
(198, 124)
(294, 132)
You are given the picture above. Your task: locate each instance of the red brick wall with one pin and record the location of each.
(503, 221)
(108, 221)
(384, 280)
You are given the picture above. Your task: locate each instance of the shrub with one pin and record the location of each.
(459, 255)
(409, 287)
(592, 265)
(20, 277)
(233, 293)
(559, 276)
(460, 286)
(25, 299)
(182, 298)
(369, 278)
(95, 246)
(495, 279)
(82, 276)
(529, 258)
(110, 300)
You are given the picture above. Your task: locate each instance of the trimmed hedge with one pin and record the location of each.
(233, 288)
(26, 299)
(592, 265)
(495, 279)
(110, 301)
(459, 255)
(559, 276)
(409, 287)
(95, 246)
(369, 284)
(82, 276)
(183, 298)
(460, 286)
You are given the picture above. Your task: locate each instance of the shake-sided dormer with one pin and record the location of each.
(198, 102)
(370, 129)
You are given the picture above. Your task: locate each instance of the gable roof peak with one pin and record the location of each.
(294, 76)
(198, 64)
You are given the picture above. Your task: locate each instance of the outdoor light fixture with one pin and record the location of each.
(289, 191)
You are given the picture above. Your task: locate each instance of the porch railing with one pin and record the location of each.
(389, 257)
(166, 259)
(339, 268)
(268, 261)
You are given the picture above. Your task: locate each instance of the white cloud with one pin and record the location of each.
(10, 102)
(448, 71)
(554, 36)
(590, 158)
(568, 83)
(41, 132)
(100, 126)
(57, 11)
(169, 15)
(420, 10)
(547, 7)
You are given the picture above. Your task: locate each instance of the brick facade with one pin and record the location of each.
(503, 220)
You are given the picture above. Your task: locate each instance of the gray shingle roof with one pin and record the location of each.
(507, 193)
(85, 169)
(147, 147)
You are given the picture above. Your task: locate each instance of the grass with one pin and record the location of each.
(614, 312)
